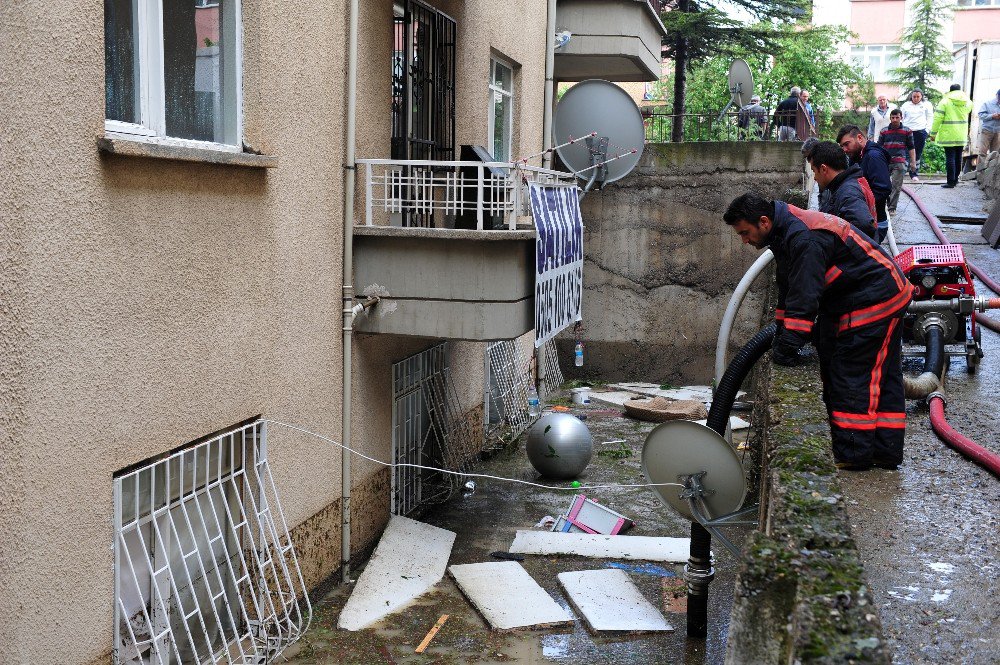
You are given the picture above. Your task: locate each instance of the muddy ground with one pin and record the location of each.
(929, 533)
(486, 521)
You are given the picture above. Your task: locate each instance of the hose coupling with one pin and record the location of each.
(940, 395)
(698, 578)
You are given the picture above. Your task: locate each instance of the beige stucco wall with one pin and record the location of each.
(145, 303)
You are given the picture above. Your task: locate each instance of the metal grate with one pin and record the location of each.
(550, 369)
(428, 429)
(507, 379)
(205, 571)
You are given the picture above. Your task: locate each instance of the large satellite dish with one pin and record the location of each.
(602, 107)
(677, 449)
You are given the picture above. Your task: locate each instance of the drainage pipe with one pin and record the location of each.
(932, 220)
(699, 572)
(932, 377)
(550, 69)
(985, 458)
(726, 329)
(350, 168)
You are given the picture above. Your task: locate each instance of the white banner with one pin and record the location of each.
(558, 259)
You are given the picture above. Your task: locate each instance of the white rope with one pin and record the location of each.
(458, 473)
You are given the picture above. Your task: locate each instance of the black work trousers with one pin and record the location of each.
(862, 375)
(953, 163)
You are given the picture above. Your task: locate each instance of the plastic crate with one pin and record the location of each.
(931, 256)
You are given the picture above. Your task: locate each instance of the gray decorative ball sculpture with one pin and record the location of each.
(559, 446)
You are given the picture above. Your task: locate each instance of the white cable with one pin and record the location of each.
(458, 473)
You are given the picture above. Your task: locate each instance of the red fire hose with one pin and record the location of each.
(988, 460)
(943, 239)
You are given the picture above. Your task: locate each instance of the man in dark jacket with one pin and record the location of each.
(842, 290)
(848, 194)
(785, 115)
(874, 162)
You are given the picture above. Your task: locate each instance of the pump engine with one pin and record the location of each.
(943, 295)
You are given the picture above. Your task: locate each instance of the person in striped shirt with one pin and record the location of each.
(897, 139)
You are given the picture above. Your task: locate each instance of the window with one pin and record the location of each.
(501, 109)
(878, 60)
(172, 70)
(204, 566)
(979, 3)
(423, 83)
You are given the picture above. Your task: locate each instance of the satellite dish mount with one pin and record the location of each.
(740, 86)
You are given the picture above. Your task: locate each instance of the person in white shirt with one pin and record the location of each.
(879, 119)
(918, 114)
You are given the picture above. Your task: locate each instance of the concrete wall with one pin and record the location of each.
(148, 302)
(661, 264)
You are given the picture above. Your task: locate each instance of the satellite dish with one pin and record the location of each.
(680, 448)
(601, 107)
(740, 83)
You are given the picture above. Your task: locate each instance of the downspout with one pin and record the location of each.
(348, 296)
(550, 68)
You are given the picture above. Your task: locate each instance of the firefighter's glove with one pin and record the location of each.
(786, 353)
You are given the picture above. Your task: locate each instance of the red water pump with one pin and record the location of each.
(943, 296)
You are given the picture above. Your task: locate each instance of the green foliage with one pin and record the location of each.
(621, 452)
(933, 158)
(922, 56)
(804, 57)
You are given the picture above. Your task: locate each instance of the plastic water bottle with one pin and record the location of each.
(578, 355)
(534, 406)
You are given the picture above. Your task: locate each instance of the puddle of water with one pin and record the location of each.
(944, 568)
(941, 596)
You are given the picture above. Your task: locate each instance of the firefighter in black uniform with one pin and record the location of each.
(841, 290)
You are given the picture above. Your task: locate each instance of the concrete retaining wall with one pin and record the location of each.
(801, 594)
(661, 264)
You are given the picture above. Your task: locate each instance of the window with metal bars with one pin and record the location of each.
(205, 571)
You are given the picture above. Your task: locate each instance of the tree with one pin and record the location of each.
(922, 56)
(699, 29)
(804, 57)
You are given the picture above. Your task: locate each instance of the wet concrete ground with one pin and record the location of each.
(929, 533)
(486, 521)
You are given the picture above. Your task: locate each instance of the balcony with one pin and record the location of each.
(449, 245)
(616, 40)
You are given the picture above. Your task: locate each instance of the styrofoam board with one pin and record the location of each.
(735, 423)
(644, 548)
(506, 595)
(411, 557)
(616, 398)
(608, 600)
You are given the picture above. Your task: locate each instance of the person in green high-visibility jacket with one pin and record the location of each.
(951, 130)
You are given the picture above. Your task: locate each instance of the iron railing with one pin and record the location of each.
(696, 127)
(445, 194)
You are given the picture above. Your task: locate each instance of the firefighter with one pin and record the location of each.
(840, 289)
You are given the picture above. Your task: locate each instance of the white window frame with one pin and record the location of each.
(871, 53)
(495, 90)
(977, 4)
(151, 127)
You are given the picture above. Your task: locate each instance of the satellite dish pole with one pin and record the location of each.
(610, 126)
(740, 86)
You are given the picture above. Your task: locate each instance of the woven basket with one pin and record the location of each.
(660, 409)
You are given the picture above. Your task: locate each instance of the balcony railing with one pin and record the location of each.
(442, 194)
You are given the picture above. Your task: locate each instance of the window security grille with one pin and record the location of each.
(550, 368)
(428, 428)
(508, 376)
(205, 571)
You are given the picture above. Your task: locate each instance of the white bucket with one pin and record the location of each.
(581, 395)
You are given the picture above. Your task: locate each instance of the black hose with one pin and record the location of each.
(934, 356)
(732, 379)
(699, 572)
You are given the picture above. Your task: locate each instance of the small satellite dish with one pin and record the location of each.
(680, 448)
(602, 107)
(563, 35)
(740, 82)
(740, 86)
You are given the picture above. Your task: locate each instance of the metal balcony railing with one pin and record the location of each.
(437, 194)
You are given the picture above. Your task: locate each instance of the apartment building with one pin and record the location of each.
(175, 177)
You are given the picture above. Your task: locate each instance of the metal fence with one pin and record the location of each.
(659, 124)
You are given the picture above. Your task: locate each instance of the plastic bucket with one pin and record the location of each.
(581, 395)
